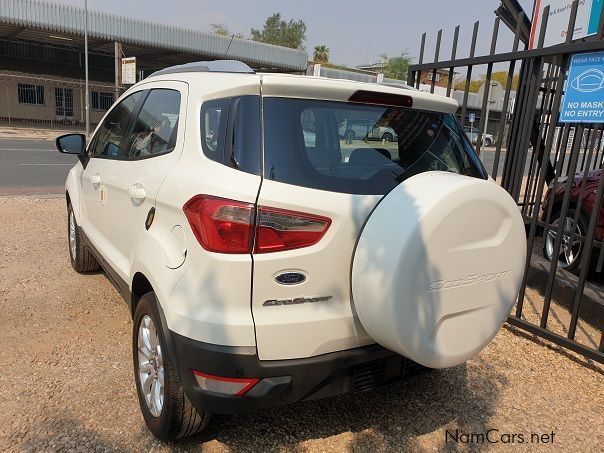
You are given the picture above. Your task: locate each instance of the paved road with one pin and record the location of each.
(32, 166)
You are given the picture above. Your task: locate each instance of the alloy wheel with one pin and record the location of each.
(150, 366)
(569, 252)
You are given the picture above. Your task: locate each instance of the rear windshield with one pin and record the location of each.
(360, 148)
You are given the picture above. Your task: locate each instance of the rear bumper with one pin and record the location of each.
(283, 381)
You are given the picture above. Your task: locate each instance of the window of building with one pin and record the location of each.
(30, 94)
(101, 100)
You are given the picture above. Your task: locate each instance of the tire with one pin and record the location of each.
(387, 137)
(550, 236)
(488, 142)
(82, 259)
(175, 417)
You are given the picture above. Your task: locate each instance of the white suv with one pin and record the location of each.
(263, 268)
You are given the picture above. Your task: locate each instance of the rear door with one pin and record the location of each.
(301, 301)
(147, 152)
(315, 316)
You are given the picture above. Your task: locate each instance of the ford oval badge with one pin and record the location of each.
(290, 278)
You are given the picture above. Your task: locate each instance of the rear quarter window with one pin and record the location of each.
(230, 132)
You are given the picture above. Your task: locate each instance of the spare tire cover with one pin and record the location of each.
(438, 266)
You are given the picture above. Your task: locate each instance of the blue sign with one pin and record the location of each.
(472, 117)
(584, 96)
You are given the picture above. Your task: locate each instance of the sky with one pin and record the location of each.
(356, 32)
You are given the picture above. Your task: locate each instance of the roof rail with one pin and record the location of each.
(232, 66)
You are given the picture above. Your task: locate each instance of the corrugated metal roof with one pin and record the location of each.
(69, 19)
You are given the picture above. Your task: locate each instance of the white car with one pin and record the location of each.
(262, 267)
(472, 133)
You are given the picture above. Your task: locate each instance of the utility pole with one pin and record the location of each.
(86, 95)
(486, 120)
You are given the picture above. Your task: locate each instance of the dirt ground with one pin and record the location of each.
(66, 381)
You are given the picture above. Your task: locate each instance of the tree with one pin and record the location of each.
(321, 54)
(222, 30)
(281, 33)
(499, 76)
(397, 67)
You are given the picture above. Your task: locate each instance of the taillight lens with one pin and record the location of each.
(221, 225)
(224, 385)
(227, 226)
(280, 230)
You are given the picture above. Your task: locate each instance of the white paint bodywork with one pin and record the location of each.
(218, 298)
(438, 267)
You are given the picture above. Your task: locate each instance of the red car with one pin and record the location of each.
(570, 254)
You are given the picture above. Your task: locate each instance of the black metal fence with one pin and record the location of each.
(552, 170)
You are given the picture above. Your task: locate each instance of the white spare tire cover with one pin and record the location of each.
(438, 266)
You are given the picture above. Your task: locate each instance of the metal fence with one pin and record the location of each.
(551, 169)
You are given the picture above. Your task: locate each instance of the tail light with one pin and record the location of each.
(280, 230)
(221, 225)
(227, 226)
(227, 386)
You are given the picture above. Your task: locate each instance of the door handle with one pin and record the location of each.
(137, 192)
(95, 179)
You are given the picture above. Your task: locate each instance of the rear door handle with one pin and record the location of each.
(137, 192)
(95, 179)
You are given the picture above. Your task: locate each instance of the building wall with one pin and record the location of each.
(442, 78)
(15, 113)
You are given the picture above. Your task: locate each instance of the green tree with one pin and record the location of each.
(397, 67)
(279, 32)
(499, 76)
(222, 30)
(321, 54)
(502, 78)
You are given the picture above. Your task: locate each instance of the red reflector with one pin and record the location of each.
(221, 225)
(225, 385)
(375, 97)
(280, 230)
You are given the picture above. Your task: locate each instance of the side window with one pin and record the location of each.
(154, 131)
(230, 132)
(107, 140)
(214, 121)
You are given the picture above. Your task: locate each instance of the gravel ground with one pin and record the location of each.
(66, 381)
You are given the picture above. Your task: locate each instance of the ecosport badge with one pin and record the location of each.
(296, 301)
(472, 279)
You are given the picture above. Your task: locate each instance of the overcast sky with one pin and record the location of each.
(355, 31)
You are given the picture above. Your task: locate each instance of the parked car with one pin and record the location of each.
(354, 129)
(262, 267)
(472, 133)
(582, 197)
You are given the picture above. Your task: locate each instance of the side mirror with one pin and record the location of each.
(71, 144)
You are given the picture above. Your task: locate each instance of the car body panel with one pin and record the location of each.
(583, 194)
(313, 328)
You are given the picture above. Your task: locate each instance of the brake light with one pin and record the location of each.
(227, 226)
(221, 225)
(280, 230)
